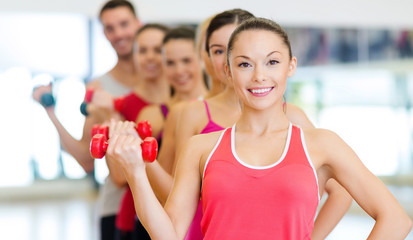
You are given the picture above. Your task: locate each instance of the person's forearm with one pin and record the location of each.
(78, 149)
(150, 212)
(332, 211)
(392, 226)
(116, 173)
(160, 180)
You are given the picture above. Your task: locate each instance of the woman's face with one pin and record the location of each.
(148, 55)
(182, 66)
(259, 66)
(218, 50)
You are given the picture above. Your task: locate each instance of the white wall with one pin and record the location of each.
(348, 13)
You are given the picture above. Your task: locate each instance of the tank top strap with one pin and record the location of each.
(207, 110)
(164, 110)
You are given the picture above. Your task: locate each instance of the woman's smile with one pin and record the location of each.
(260, 92)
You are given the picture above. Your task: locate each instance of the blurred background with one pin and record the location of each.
(355, 77)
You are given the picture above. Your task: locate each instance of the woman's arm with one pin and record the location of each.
(173, 221)
(154, 116)
(332, 211)
(167, 153)
(335, 157)
(193, 115)
(160, 179)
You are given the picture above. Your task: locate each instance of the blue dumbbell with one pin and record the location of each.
(47, 100)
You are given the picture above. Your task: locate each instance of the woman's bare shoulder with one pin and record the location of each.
(320, 134)
(324, 141)
(150, 112)
(204, 143)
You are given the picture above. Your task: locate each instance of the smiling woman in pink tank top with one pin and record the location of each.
(223, 110)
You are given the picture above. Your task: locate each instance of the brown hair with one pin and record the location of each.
(156, 26)
(112, 4)
(182, 32)
(234, 16)
(258, 24)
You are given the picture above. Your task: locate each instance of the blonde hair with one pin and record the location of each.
(201, 34)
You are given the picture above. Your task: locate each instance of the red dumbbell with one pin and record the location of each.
(99, 145)
(117, 102)
(99, 129)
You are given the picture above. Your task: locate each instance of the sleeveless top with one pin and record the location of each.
(194, 231)
(109, 84)
(164, 110)
(278, 201)
(109, 194)
(211, 125)
(133, 104)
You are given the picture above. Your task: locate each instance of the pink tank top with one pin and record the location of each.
(194, 232)
(241, 201)
(211, 125)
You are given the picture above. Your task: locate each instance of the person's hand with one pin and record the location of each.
(102, 114)
(102, 99)
(39, 94)
(125, 150)
(122, 128)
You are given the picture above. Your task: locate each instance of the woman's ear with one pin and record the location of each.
(292, 67)
(228, 74)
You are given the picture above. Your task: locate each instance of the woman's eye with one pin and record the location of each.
(244, 65)
(273, 62)
(142, 50)
(187, 60)
(218, 52)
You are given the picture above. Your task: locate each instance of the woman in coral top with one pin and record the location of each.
(262, 177)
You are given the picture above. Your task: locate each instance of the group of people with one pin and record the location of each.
(235, 161)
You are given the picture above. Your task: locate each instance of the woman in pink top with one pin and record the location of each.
(262, 144)
(201, 117)
(223, 110)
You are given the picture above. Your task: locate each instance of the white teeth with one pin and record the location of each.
(262, 90)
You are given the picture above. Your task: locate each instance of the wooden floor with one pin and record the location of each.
(74, 218)
(58, 219)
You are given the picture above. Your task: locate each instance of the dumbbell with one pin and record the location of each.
(117, 102)
(47, 100)
(99, 144)
(99, 129)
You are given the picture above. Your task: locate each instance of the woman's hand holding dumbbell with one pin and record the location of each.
(97, 100)
(43, 95)
(121, 136)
